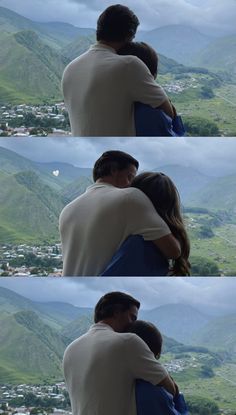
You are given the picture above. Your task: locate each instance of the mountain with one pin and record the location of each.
(218, 334)
(55, 34)
(30, 351)
(55, 314)
(32, 197)
(219, 55)
(79, 326)
(178, 42)
(218, 194)
(11, 162)
(30, 70)
(186, 179)
(67, 172)
(78, 46)
(76, 188)
(29, 209)
(177, 321)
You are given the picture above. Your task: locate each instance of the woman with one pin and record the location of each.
(151, 122)
(152, 399)
(139, 257)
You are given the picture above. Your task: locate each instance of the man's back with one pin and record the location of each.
(100, 370)
(100, 88)
(95, 224)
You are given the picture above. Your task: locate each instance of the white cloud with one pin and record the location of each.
(214, 292)
(152, 13)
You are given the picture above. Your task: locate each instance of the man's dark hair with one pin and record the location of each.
(112, 302)
(110, 161)
(144, 52)
(117, 24)
(149, 333)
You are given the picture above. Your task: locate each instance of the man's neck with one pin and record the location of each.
(105, 180)
(114, 45)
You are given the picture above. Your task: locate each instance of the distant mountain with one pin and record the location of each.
(76, 188)
(78, 46)
(55, 314)
(219, 194)
(218, 334)
(34, 335)
(79, 326)
(178, 42)
(55, 34)
(219, 55)
(30, 70)
(82, 44)
(30, 351)
(177, 321)
(67, 172)
(11, 162)
(187, 179)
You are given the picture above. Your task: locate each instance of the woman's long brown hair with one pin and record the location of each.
(165, 197)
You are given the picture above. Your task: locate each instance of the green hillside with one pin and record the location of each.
(177, 320)
(30, 68)
(54, 314)
(219, 334)
(29, 209)
(78, 46)
(55, 34)
(30, 351)
(218, 195)
(219, 55)
(187, 41)
(76, 188)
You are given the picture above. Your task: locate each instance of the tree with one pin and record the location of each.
(203, 267)
(197, 126)
(202, 406)
(205, 232)
(207, 92)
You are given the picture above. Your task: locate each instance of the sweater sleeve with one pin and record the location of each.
(142, 87)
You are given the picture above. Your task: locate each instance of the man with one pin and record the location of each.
(101, 366)
(100, 87)
(94, 225)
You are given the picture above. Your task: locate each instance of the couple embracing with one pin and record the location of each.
(113, 369)
(110, 90)
(123, 224)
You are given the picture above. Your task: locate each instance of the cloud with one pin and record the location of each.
(152, 13)
(215, 156)
(214, 292)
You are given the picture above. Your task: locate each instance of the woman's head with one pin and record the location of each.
(161, 191)
(149, 334)
(164, 195)
(144, 52)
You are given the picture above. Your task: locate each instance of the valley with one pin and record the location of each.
(202, 87)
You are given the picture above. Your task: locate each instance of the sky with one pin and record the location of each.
(213, 14)
(212, 156)
(200, 292)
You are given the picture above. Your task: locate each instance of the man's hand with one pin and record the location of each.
(169, 385)
(169, 246)
(168, 108)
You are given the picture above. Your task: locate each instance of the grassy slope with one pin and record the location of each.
(28, 213)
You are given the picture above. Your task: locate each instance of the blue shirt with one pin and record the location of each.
(153, 122)
(155, 400)
(137, 257)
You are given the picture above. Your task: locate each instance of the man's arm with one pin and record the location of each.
(168, 384)
(169, 246)
(167, 107)
(143, 88)
(143, 365)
